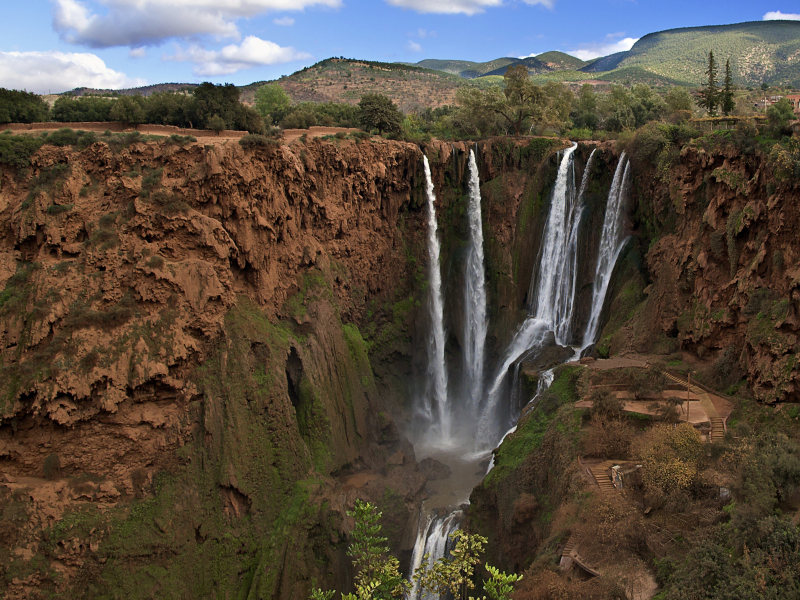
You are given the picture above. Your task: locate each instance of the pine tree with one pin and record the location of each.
(709, 95)
(726, 101)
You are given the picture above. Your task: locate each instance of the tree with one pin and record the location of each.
(727, 103)
(219, 100)
(376, 111)
(22, 107)
(272, 103)
(216, 123)
(522, 104)
(678, 98)
(709, 95)
(379, 576)
(585, 113)
(780, 113)
(128, 110)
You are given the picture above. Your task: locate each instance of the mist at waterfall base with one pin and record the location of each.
(461, 430)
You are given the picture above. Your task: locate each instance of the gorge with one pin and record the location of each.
(210, 351)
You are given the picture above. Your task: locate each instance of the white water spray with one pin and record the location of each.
(612, 241)
(436, 365)
(475, 293)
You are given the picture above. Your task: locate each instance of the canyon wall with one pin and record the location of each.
(209, 352)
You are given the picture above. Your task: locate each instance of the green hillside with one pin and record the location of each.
(561, 61)
(465, 68)
(760, 51)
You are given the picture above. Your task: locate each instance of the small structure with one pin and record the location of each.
(794, 100)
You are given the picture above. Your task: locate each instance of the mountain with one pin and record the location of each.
(467, 69)
(346, 80)
(759, 51)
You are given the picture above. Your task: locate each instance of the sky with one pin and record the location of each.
(52, 46)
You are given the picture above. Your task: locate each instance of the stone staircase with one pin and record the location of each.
(600, 474)
(717, 423)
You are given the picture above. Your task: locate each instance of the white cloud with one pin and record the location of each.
(548, 3)
(590, 51)
(284, 21)
(147, 22)
(138, 52)
(414, 46)
(422, 33)
(531, 55)
(779, 16)
(466, 7)
(57, 72)
(252, 52)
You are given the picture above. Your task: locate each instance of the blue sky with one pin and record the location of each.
(56, 45)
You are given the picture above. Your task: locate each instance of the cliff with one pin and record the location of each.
(183, 391)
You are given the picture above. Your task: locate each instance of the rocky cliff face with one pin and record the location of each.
(183, 392)
(720, 274)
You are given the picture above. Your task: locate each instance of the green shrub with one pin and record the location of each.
(255, 140)
(180, 140)
(169, 204)
(16, 150)
(150, 181)
(47, 179)
(57, 209)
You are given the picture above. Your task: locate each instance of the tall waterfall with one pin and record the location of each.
(436, 365)
(552, 291)
(475, 293)
(612, 241)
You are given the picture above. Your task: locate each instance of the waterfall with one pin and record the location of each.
(433, 540)
(552, 292)
(612, 241)
(475, 292)
(531, 333)
(436, 364)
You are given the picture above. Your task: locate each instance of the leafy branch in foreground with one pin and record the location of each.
(379, 574)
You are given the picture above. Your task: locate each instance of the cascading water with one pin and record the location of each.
(475, 293)
(436, 365)
(552, 295)
(433, 540)
(531, 333)
(612, 241)
(551, 292)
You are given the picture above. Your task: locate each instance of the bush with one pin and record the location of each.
(257, 141)
(669, 457)
(608, 438)
(69, 137)
(180, 140)
(169, 204)
(16, 150)
(606, 404)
